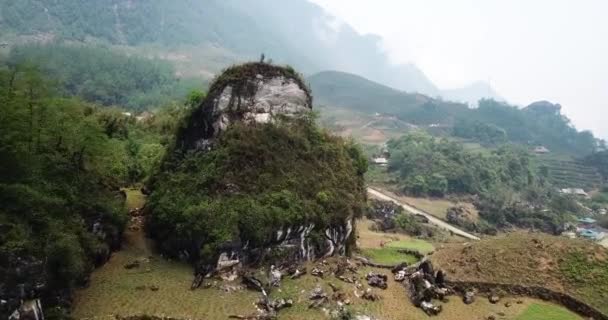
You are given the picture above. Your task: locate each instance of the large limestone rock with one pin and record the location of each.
(251, 93)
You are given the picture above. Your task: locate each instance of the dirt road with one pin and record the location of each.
(439, 223)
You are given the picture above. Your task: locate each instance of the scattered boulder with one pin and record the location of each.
(275, 276)
(369, 295)
(317, 294)
(469, 297)
(253, 283)
(430, 309)
(317, 272)
(377, 280)
(494, 299)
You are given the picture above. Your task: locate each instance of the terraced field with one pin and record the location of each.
(565, 173)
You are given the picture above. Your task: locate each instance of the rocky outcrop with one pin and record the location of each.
(251, 93)
(252, 96)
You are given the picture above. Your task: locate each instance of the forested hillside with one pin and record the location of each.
(243, 29)
(491, 123)
(507, 185)
(100, 75)
(63, 162)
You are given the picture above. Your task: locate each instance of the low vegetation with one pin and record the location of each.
(540, 311)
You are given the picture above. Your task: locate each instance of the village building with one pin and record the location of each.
(575, 192)
(541, 150)
(380, 161)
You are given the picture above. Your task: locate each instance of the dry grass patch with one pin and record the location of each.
(572, 266)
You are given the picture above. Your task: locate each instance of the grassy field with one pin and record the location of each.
(541, 311)
(388, 256)
(115, 290)
(573, 266)
(412, 244)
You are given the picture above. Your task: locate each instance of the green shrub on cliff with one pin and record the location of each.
(256, 179)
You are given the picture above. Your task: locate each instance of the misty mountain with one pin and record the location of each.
(471, 93)
(295, 32)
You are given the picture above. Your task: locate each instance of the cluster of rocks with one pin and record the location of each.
(377, 280)
(424, 285)
(330, 302)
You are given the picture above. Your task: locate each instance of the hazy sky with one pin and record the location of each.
(528, 50)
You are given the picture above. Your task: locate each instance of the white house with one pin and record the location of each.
(381, 161)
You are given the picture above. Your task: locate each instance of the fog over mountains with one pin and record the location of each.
(295, 32)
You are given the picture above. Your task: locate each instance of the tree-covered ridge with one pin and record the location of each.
(103, 76)
(507, 185)
(491, 123)
(256, 180)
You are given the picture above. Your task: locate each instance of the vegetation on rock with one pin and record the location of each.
(256, 179)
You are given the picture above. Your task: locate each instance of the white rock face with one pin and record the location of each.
(273, 96)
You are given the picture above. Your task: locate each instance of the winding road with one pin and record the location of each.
(438, 222)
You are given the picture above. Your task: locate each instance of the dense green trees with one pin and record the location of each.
(104, 76)
(433, 166)
(488, 134)
(256, 179)
(62, 163)
(507, 184)
(59, 175)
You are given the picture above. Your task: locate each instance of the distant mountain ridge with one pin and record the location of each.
(295, 32)
(471, 93)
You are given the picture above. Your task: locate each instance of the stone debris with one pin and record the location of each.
(469, 297)
(317, 294)
(253, 283)
(296, 272)
(229, 276)
(400, 275)
(377, 280)
(230, 288)
(429, 308)
(275, 276)
(369, 295)
(424, 286)
(494, 299)
(317, 272)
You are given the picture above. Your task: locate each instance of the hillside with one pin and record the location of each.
(532, 259)
(492, 122)
(353, 92)
(216, 32)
